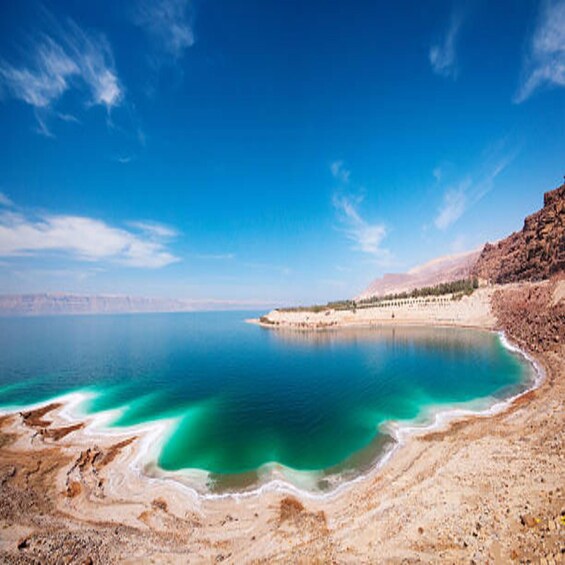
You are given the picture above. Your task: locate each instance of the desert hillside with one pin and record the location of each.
(535, 253)
(442, 269)
(532, 254)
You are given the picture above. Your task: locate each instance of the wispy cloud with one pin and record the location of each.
(155, 229)
(58, 62)
(69, 118)
(124, 160)
(545, 61)
(443, 55)
(167, 22)
(83, 238)
(459, 197)
(5, 201)
(216, 256)
(339, 172)
(365, 236)
(455, 201)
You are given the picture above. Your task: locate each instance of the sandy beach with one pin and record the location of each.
(478, 488)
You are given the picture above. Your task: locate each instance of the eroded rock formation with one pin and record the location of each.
(535, 253)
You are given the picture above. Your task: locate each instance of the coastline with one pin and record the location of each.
(330, 518)
(150, 437)
(472, 311)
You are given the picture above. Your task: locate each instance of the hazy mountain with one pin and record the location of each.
(61, 303)
(442, 269)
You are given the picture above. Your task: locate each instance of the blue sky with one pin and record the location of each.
(268, 151)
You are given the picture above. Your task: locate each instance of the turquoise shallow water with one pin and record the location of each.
(244, 396)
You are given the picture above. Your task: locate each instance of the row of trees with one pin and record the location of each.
(464, 286)
(458, 289)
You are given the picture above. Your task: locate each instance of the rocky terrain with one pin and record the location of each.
(532, 254)
(533, 315)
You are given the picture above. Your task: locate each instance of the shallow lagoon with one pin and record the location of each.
(242, 397)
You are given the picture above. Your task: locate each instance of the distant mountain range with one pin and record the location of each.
(534, 253)
(61, 303)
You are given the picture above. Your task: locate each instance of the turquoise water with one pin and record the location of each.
(243, 396)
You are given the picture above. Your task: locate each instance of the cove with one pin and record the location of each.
(243, 398)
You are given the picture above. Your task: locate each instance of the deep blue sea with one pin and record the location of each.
(242, 396)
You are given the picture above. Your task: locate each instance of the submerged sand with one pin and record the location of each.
(487, 489)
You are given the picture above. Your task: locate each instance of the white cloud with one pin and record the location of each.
(339, 172)
(366, 237)
(69, 58)
(443, 55)
(47, 81)
(457, 199)
(81, 238)
(545, 62)
(167, 23)
(94, 58)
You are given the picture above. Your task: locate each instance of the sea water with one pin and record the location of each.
(244, 398)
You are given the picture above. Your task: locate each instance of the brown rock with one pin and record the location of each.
(528, 520)
(535, 253)
(73, 489)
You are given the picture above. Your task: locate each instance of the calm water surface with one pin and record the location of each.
(243, 396)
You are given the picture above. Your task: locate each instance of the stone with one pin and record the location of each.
(535, 253)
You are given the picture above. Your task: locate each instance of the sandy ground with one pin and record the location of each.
(484, 489)
(472, 311)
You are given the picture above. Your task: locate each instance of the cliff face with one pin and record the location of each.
(533, 314)
(535, 253)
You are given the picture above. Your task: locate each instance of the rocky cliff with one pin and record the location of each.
(536, 252)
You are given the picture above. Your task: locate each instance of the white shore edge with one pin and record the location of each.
(153, 435)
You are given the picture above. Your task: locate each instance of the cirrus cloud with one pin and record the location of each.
(366, 237)
(458, 198)
(545, 62)
(56, 62)
(443, 55)
(167, 23)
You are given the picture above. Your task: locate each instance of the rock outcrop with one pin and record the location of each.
(533, 314)
(535, 253)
